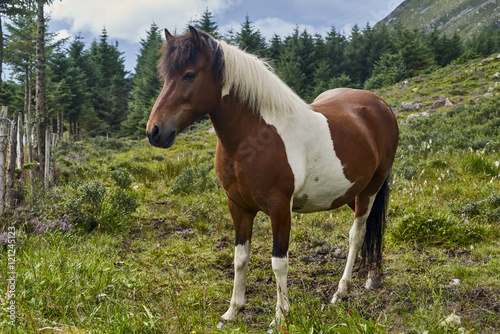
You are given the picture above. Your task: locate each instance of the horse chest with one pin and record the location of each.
(318, 173)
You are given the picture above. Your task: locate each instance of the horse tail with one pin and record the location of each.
(371, 250)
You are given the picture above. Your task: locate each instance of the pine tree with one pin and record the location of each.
(41, 83)
(8, 8)
(379, 42)
(275, 48)
(207, 24)
(145, 85)
(289, 68)
(250, 39)
(413, 51)
(335, 44)
(80, 72)
(356, 55)
(108, 85)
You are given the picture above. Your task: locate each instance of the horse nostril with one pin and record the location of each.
(155, 132)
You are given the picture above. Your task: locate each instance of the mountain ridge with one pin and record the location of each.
(466, 17)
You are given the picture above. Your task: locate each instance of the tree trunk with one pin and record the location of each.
(1, 53)
(70, 130)
(46, 175)
(3, 155)
(41, 107)
(20, 141)
(11, 170)
(20, 156)
(29, 135)
(60, 123)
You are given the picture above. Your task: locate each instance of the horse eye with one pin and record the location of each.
(189, 76)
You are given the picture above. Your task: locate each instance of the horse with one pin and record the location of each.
(277, 154)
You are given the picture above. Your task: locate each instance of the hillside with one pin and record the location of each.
(467, 17)
(456, 84)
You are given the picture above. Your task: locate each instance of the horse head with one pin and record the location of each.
(191, 67)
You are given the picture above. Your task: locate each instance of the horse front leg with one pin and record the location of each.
(243, 222)
(281, 223)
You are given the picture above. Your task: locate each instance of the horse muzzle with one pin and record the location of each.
(161, 137)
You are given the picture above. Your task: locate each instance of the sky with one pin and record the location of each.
(127, 21)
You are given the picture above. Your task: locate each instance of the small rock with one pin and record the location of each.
(496, 75)
(448, 103)
(454, 282)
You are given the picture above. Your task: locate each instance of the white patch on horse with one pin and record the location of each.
(305, 133)
(280, 268)
(356, 238)
(311, 155)
(241, 256)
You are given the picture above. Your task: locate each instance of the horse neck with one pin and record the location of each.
(234, 121)
(254, 83)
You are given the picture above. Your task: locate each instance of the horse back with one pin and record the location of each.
(363, 127)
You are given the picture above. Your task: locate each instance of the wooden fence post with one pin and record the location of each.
(29, 137)
(46, 174)
(11, 169)
(20, 141)
(55, 138)
(3, 154)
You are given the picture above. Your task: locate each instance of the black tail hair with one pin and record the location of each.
(371, 251)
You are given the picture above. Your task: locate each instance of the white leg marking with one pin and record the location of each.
(241, 256)
(280, 268)
(356, 238)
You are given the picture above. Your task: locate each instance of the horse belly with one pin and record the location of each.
(323, 184)
(319, 177)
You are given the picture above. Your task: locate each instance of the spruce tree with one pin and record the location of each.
(109, 85)
(250, 39)
(207, 24)
(145, 85)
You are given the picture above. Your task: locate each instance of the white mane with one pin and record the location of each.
(254, 82)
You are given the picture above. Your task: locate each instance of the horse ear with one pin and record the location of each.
(196, 37)
(168, 35)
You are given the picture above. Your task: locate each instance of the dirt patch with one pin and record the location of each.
(486, 299)
(465, 257)
(321, 256)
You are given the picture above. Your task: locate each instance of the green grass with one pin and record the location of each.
(167, 267)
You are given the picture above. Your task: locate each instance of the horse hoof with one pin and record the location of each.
(372, 284)
(221, 324)
(336, 298)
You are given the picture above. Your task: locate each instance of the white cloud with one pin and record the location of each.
(129, 20)
(273, 25)
(62, 34)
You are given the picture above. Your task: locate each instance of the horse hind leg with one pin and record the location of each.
(371, 251)
(366, 235)
(356, 238)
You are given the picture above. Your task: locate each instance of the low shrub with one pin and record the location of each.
(426, 227)
(122, 178)
(487, 209)
(195, 179)
(91, 205)
(476, 163)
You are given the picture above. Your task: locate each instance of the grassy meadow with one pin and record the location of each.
(136, 239)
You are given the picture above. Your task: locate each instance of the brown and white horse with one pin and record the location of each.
(277, 154)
